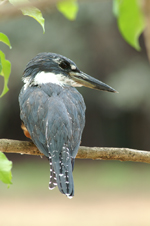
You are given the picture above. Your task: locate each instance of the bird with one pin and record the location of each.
(52, 112)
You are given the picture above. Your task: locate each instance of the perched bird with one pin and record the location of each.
(53, 112)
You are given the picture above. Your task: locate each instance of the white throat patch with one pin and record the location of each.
(49, 77)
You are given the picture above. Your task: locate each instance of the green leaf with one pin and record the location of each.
(4, 39)
(130, 20)
(5, 169)
(30, 11)
(115, 8)
(0, 66)
(36, 14)
(5, 67)
(68, 8)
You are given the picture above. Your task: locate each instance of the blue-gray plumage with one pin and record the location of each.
(53, 112)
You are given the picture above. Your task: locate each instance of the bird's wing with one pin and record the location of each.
(32, 113)
(46, 119)
(76, 110)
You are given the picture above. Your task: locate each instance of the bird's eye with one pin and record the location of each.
(64, 65)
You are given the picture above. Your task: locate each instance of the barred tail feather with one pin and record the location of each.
(53, 180)
(63, 170)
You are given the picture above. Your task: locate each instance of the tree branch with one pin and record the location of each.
(104, 153)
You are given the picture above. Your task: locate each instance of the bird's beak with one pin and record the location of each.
(90, 82)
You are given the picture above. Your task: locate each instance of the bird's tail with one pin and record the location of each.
(64, 177)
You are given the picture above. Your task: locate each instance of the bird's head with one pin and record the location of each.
(54, 68)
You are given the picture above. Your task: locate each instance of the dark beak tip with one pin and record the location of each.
(111, 90)
(115, 91)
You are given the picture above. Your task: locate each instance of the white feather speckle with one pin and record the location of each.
(73, 67)
(68, 196)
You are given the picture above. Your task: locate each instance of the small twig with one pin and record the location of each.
(2, 2)
(104, 153)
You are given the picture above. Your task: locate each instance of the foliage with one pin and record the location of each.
(5, 65)
(130, 20)
(128, 13)
(68, 8)
(5, 169)
(30, 11)
(4, 39)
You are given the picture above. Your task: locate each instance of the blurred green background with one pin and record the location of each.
(106, 192)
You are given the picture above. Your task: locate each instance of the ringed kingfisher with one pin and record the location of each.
(53, 112)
